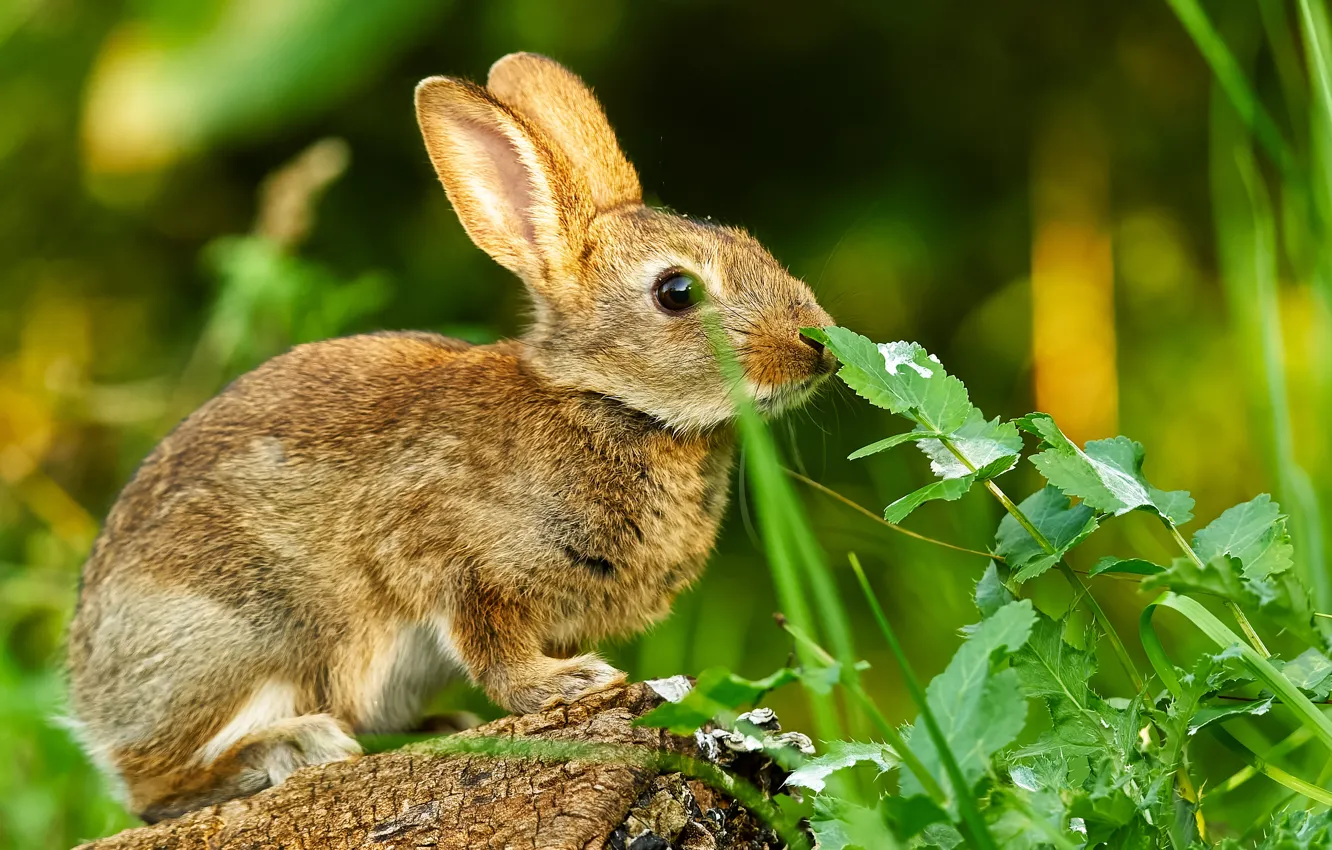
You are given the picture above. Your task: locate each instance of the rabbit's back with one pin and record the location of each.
(361, 454)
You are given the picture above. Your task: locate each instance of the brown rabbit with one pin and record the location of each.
(316, 549)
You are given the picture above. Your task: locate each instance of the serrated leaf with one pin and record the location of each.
(1107, 475)
(1063, 525)
(1311, 671)
(1209, 714)
(1219, 576)
(985, 445)
(1125, 566)
(1254, 532)
(1280, 598)
(1176, 505)
(949, 490)
(978, 711)
(888, 443)
(839, 755)
(1052, 669)
(901, 377)
(1291, 830)
(991, 595)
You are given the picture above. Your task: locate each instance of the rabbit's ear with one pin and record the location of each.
(553, 98)
(513, 190)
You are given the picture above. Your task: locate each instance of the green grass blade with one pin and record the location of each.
(793, 552)
(1233, 82)
(1224, 638)
(1285, 746)
(778, 515)
(1296, 492)
(1271, 771)
(1318, 54)
(966, 803)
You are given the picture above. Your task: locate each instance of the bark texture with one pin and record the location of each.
(409, 799)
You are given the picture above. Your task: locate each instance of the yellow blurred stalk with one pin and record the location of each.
(55, 349)
(1072, 277)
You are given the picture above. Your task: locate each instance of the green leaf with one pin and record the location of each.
(1129, 566)
(886, 444)
(1219, 576)
(839, 755)
(716, 695)
(1280, 598)
(1254, 532)
(984, 445)
(839, 824)
(1291, 830)
(978, 711)
(949, 490)
(821, 680)
(1051, 669)
(909, 816)
(1209, 714)
(1107, 475)
(1305, 711)
(901, 377)
(991, 595)
(1311, 671)
(1063, 525)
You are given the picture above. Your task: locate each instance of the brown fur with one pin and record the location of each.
(314, 550)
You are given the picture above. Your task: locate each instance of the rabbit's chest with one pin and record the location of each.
(627, 537)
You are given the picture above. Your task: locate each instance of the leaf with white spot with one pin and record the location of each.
(979, 442)
(1107, 475)
(840, 755)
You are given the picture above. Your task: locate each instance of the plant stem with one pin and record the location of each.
(1244, 624)
(1098, 612)
(833, 494)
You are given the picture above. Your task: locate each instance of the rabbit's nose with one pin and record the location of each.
(812, 343)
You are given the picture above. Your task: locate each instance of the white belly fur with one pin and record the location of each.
(417, 661)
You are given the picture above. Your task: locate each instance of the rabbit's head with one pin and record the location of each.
(622, 291)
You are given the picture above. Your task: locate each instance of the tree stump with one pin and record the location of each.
(411, 798)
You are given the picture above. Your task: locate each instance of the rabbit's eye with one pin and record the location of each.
(678, 291)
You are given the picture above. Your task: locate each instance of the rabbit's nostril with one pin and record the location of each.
(812, 343)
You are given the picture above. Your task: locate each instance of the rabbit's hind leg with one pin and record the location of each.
(259, 760)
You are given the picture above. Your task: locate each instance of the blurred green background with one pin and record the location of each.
(1031, 190)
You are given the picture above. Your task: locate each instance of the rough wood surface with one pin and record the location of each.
(467, 802)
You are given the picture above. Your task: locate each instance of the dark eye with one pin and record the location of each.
(678, 291)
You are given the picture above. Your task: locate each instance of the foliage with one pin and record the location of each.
(1096, 771)
(888, 153)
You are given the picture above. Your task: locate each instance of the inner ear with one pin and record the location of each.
(512, 182)
(512, 189)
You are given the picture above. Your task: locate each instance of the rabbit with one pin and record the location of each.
(321, 546)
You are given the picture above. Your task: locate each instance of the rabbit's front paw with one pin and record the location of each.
(564, 681)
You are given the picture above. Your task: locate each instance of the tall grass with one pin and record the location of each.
(1251, 234)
